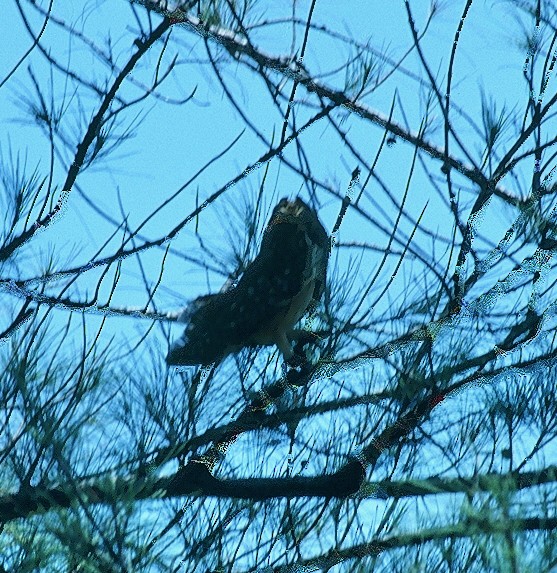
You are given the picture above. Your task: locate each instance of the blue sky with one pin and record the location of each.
(172, 142)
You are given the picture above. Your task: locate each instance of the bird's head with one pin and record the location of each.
(298, 212)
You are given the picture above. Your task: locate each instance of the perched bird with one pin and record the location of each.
(278, 287)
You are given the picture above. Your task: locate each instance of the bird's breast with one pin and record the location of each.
(285, 320)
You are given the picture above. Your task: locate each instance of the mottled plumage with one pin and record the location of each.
(281, 284)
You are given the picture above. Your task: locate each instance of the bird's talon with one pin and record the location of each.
(295, 361)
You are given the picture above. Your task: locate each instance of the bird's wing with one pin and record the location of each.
(271, 281)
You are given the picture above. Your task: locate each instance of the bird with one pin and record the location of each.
(285, 281)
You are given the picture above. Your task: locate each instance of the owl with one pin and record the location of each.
(284, 281)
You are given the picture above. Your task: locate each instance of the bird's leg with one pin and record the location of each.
(303, 337)
(291, 359)
(295, 358)
(283, 344)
